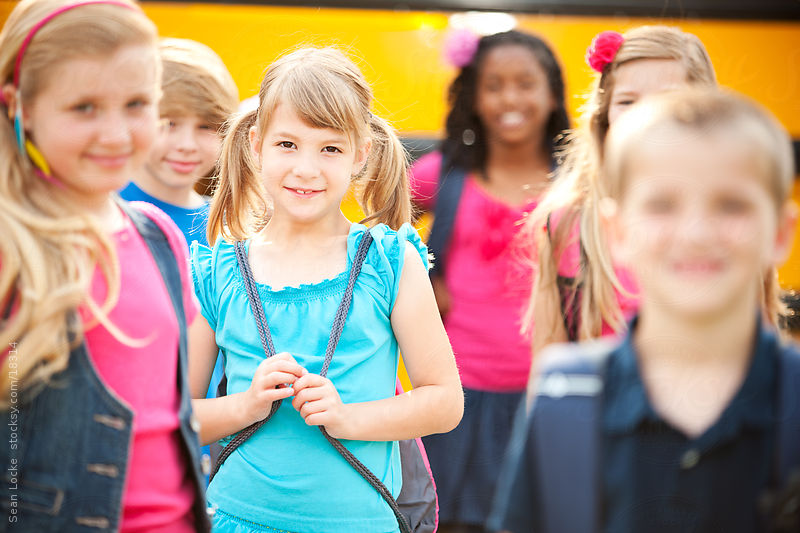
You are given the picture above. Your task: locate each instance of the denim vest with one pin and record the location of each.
(64, 452)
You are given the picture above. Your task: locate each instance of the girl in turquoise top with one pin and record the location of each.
(284, 171)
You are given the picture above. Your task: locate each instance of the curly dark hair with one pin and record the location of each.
(462, 93)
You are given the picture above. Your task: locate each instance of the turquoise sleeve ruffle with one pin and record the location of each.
(204, 282)
(387, 253)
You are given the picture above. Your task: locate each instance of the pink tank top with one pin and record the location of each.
(489, 286)
(159, 491)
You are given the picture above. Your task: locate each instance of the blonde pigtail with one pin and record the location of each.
(239, 207)
(385, 195)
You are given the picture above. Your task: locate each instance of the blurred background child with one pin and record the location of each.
(579, 293)
(96, 424)
(198, 96)
(693, 424)
(506, 115)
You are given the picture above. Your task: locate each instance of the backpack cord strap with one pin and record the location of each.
(371, 478)
(255, 301)
(344, 305)
(266, 342)
(336, 333)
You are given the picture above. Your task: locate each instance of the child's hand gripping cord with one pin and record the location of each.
(272, 381)
(318, 402)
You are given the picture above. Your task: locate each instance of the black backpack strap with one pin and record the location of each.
(569, 292)
(448, 196)
(566, 425)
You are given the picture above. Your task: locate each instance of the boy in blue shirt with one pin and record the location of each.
(199, 95)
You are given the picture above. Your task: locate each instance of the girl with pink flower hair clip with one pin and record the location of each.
(506, 114)
(578, 292)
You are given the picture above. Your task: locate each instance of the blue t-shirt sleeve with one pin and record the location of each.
(203, 281)
(387, 254)
(515, 506)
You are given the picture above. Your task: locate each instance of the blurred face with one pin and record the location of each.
(513, 99)
(636, 79)
(185, 149)
(305, 170)
(699, 226)
(95, 119)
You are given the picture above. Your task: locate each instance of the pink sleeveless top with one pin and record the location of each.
(158, 493)
(488, 285)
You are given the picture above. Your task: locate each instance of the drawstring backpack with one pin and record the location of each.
(416, 508)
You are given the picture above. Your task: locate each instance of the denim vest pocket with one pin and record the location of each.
(26, 506)
(20, 495)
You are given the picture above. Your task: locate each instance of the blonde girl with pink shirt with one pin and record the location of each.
(94, 292)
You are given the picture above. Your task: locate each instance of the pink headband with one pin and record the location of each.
(603, 49)
(44, 21)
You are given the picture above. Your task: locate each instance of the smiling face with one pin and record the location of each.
(95, 119)
(305, 170)
(636, 79)
(513, 98)
(699, 225)
(185, 150)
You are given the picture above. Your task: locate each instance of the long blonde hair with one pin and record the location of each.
(327, 91)
(574, 196)
(710, 113)
(48, 249)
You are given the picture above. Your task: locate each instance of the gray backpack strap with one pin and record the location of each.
(266, 337)
(336, 333)
(266, 343)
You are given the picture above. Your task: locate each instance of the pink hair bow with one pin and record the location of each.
(603, 49)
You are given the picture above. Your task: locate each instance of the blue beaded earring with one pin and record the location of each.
(19, 129)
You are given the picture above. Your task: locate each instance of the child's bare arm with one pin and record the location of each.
(202, 356)
(436, 403)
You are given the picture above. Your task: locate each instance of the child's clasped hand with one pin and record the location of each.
(315, 397)
(273, 380)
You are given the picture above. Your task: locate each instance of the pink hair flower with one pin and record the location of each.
(603, 49)
(460, 46)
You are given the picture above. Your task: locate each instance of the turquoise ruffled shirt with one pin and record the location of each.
(287, 476)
